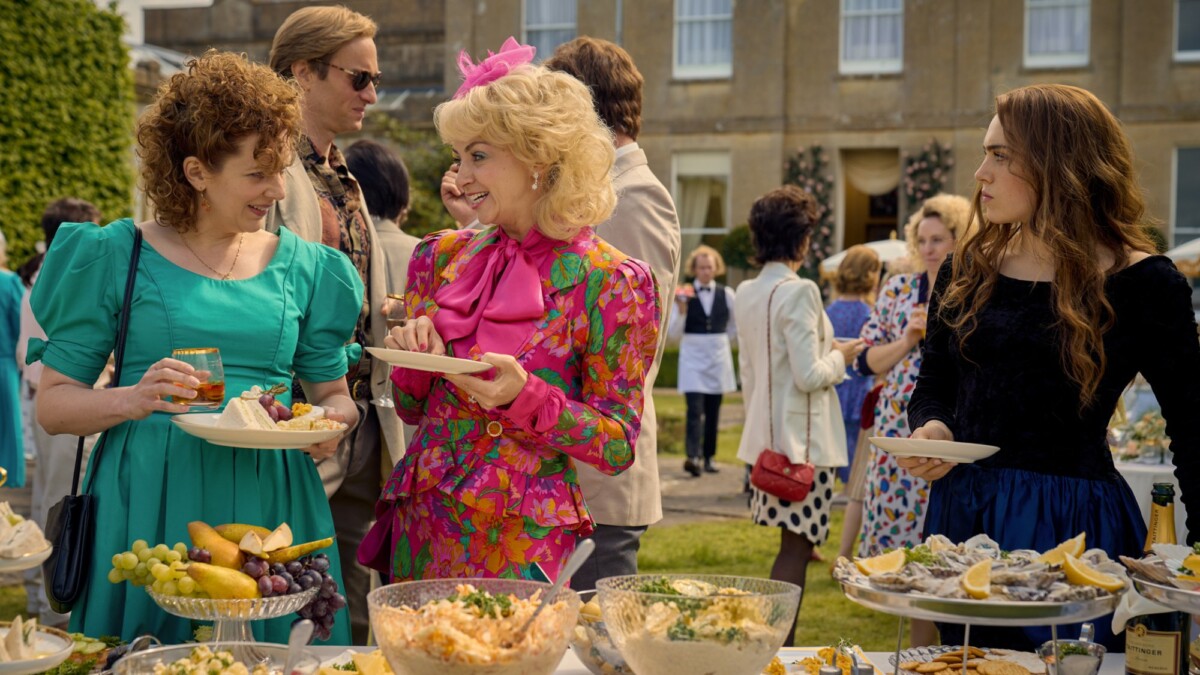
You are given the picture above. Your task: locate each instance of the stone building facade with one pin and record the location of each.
(735, 88)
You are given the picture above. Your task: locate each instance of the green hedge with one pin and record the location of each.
(66, 114)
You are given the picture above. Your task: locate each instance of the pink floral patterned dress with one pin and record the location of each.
(894, 511)
(489, 492)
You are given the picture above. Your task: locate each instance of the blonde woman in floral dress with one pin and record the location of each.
(894, 511)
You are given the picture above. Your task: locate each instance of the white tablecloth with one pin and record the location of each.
(1141, 479)
(1114, 664)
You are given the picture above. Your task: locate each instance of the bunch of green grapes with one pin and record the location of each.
(162, 569)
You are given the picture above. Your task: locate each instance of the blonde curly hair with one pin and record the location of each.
(545, 119)
(952, 210)
(204, 112)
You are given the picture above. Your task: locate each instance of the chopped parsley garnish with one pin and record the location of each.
(661, 585)
(680, 631)
(486, 604)
(1069, 649)
(920, 555)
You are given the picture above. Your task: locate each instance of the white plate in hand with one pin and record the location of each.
(52, 645)
(428, 362)
(204, 425)
(962, 453)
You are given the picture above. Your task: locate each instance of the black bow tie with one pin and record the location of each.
(704, 289)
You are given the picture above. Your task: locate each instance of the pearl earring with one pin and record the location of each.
(535, 180)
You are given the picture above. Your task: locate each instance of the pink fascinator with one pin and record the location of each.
(494, 67)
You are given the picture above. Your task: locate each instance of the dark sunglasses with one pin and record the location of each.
(359, 79)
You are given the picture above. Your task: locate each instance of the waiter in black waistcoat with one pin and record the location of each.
(705, 329)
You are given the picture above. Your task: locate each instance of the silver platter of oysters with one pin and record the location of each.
(1024, 590)
(977, 612)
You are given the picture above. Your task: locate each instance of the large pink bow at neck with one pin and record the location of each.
(497, 296)
(494, 67)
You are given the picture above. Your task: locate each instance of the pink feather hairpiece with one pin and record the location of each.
(494, 67)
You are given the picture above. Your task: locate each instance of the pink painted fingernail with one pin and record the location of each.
(423, 346)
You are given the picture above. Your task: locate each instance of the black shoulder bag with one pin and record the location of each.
(71, 523)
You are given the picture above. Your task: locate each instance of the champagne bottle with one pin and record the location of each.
(1157, 644)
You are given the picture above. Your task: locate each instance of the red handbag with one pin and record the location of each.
(773, 472)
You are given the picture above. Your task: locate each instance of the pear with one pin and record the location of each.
(280, 537)
(286, 555)
(223, 583)
(252, 544)
(235, 532)
(224, 552)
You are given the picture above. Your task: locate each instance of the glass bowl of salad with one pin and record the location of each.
(1074, 657)
(676, 623)
(471, 626)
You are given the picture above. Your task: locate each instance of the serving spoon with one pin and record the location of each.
(302, 630)
(582, 552)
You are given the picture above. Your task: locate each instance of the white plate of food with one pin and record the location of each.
(25, 562)
(50, 647)
(204, 425)
(428, 362)
(951, 451)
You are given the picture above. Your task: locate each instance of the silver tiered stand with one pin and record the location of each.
(978, 612)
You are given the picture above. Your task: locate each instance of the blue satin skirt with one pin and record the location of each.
(1028, 510)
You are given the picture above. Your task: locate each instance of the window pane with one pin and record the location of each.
(872, 33)
(1189, 25)
(1058, 28)
(704, 32)
(1187, 195)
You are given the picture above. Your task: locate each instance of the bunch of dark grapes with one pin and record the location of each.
(295, 577)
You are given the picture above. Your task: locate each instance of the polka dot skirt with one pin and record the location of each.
(809, 518)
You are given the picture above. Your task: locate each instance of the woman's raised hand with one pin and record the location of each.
(914, 332)
(417, 335)
(508, 380)
(168, 377)
(929, 468)
(453, 199)
(849, 348)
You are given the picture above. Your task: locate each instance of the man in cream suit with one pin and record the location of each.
(330, 53)
(645, 226)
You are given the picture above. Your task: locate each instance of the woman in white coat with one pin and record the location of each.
(789, 365)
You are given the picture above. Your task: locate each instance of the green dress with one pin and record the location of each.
(152, 478)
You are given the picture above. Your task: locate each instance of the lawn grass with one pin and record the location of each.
(744, 549)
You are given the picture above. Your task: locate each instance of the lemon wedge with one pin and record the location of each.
(1083, 574)
(1074, 547)
(977, 582)
(1192, 562)
(888, 562)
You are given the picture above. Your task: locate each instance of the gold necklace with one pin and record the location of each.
(226, 275)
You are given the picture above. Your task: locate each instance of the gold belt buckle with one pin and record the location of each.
(494, 428)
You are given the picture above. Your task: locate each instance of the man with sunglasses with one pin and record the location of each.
(330, 53)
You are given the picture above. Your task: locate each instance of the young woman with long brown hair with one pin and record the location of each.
(1034, 330)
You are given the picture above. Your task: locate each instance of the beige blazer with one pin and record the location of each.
(300, 212)
(644, 226)
(802, 362)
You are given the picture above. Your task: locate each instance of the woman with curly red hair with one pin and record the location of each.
(212, 149)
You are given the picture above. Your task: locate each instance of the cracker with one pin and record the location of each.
(936, 666)
(1002, 668)
(909, 665)
(976, 652)
(951, 657)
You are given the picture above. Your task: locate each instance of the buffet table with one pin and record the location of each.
(1114, 664)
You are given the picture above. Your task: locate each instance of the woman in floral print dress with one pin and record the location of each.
(894, 511)
(569, 323)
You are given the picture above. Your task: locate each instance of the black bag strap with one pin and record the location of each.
(118, 351)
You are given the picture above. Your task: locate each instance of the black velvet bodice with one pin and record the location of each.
(1007, 386)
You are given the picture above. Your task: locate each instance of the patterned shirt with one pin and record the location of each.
(344, 227)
